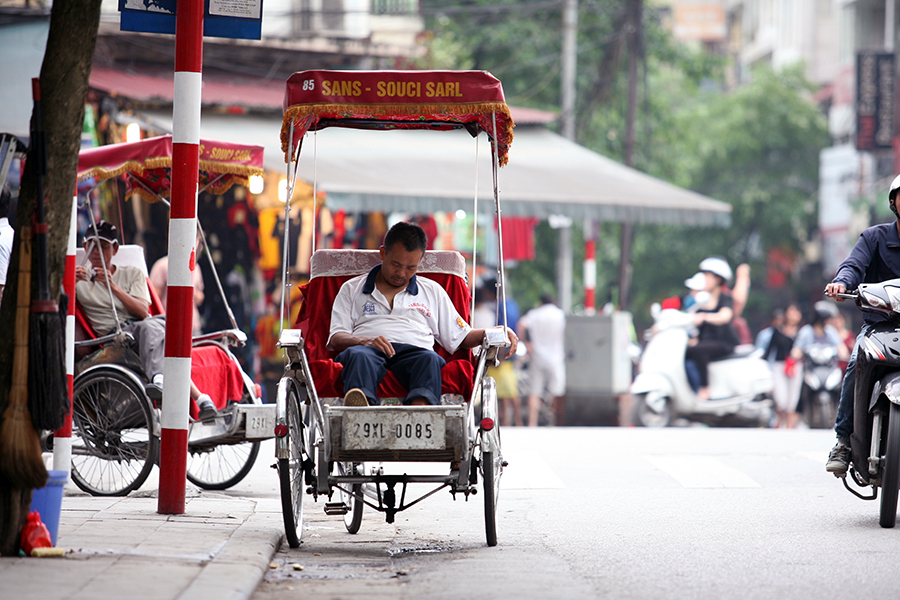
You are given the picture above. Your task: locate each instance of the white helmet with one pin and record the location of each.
(895, 185)
(716, 266)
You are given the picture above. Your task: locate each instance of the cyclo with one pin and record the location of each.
(115, 422)
(324, 447)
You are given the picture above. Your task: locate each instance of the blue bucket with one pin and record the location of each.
(48, 501)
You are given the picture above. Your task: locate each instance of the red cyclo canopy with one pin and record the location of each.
(396, 99)
(149, 164)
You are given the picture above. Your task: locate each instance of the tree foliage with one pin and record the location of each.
(755, 147)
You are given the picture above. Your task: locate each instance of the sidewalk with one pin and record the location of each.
(219, 549)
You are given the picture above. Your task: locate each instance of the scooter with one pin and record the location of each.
(740, 384)
(821, 385)
(875, 443)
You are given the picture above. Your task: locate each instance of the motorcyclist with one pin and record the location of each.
(874, 258)
(819, 331)
(716, 337)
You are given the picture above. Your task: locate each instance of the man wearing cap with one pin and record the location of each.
(131, 300)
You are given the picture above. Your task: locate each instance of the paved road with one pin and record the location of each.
(618, 513)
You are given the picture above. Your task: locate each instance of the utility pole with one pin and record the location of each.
(569, 54)
(635, 43)
(567, 104)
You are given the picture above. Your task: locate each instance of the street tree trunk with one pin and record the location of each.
(64, 85)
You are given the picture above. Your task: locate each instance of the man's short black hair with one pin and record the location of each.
(5, 198)
(409, 234)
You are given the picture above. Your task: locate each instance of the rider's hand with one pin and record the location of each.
(381, 343)
(833, 289)
(100, 275)
(514, 343)
(81, 273)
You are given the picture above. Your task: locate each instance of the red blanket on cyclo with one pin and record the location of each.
(329, 270)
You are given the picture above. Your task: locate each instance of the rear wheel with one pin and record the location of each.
(353, 517)
(113, 446)
(219, 467)
(890, 474)
(290, 470)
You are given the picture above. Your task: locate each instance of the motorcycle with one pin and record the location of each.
(821, 385)
(875, 443)
(740, 384)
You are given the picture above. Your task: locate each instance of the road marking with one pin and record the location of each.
(819, 456)
(528, 470)
(701, 472)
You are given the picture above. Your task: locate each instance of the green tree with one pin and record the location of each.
(758, 149)
(755, 147)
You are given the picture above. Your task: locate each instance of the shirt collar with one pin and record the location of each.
(369, 285)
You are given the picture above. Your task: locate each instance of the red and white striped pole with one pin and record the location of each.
(182, 235)
(590, 268)
(62, 437)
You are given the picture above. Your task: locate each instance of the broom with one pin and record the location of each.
(48, 398)
(20, 448)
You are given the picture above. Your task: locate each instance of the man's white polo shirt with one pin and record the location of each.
(422, 313)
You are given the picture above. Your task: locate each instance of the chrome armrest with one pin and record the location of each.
(120, 339)
(230, 337)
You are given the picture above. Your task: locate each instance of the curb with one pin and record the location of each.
(239, 567)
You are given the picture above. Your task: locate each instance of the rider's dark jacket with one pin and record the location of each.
(874, 258)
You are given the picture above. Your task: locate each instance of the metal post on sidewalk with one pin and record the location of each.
(182, 236)
(62, 437)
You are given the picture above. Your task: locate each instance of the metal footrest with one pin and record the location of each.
(336, 508)
(236, 424)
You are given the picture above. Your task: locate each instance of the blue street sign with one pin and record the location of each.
(221, 18)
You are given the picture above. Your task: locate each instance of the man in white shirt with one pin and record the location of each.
(545, 327)
(390, 319)
(6, 237)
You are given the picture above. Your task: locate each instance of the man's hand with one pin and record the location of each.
(833, 289)
(81, 273)
(380, 343)
(513, 343)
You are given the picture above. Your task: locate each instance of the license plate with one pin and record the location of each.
(260, 423)
(393, 430)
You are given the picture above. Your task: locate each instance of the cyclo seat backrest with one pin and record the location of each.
(330, 269)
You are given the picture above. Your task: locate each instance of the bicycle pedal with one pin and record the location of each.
(336, 508)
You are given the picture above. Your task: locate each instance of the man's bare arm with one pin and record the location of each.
(474, 337)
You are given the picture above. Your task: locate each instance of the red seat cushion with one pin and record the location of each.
(215, 373)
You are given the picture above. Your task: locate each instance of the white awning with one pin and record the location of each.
(428, 171)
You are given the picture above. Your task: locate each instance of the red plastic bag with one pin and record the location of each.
(790, 366)
(35, 534)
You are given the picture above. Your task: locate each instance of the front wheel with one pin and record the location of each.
(659, 414)
(490, 473)
(290, 470)
(890, 476)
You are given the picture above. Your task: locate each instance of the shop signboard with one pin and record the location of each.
(875, 77)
